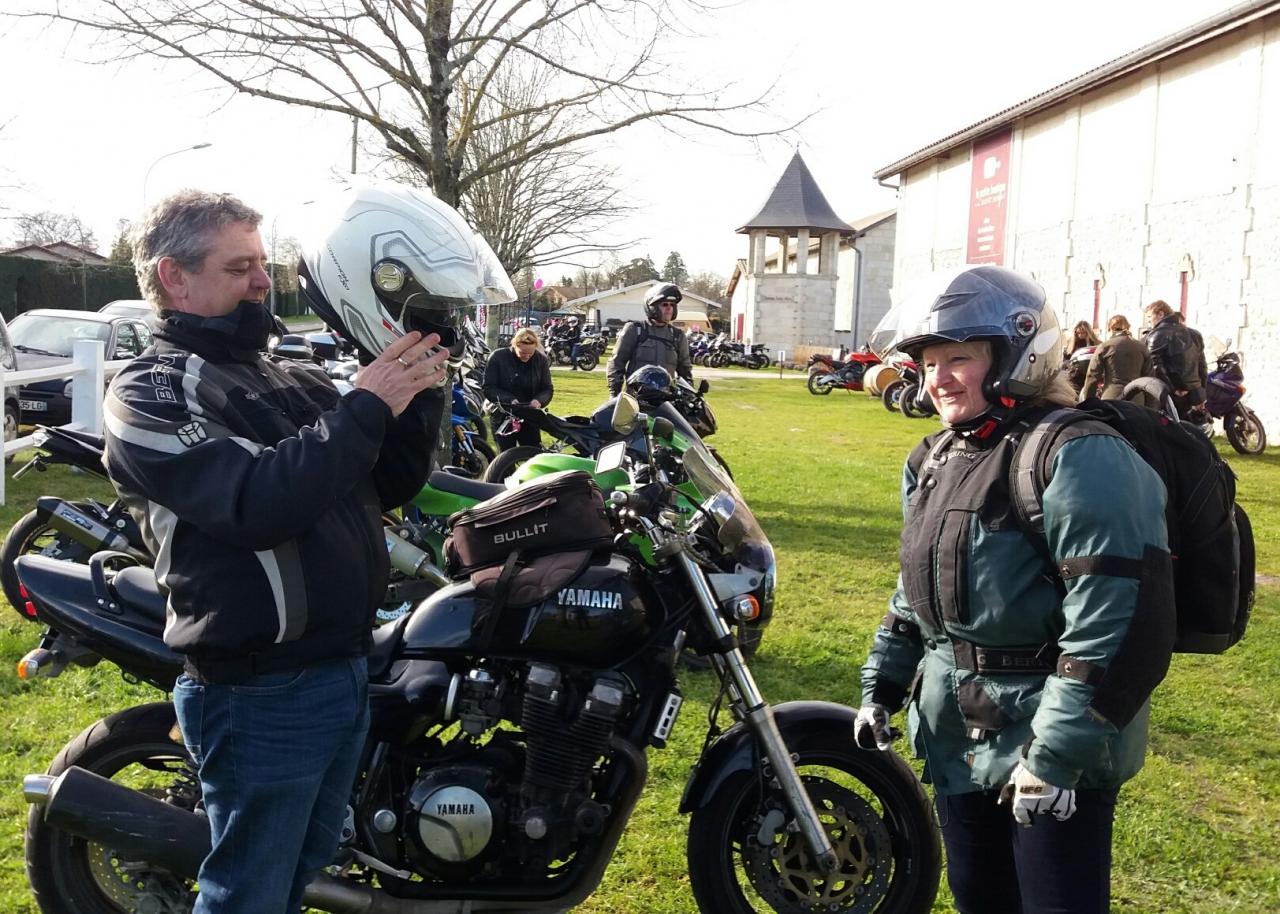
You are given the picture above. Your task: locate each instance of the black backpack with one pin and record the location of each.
(1210, 537)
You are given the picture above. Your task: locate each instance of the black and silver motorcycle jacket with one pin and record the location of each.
(641, 344)
(259, 490)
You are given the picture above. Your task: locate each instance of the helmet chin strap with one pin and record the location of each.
(987, 422)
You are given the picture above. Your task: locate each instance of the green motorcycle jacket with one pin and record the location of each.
(1003, 656)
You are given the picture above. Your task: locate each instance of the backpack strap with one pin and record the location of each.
(1036, 445)
(1030, 472)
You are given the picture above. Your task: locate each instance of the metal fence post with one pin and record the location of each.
(89, 357)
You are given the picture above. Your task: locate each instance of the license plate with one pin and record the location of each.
(33, 406)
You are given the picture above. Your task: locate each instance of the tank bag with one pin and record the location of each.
(1210, 538)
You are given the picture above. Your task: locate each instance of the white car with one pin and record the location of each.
(132, 307)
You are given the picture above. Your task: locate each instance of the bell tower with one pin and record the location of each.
(790, 298)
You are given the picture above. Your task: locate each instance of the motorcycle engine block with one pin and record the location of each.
(456, 819)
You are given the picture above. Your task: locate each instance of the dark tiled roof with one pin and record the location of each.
(1236, 17)
(796, 203)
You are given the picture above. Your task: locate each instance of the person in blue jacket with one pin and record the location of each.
(1026, 670)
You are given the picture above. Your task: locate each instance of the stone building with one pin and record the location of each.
(864, 277)
(1156, 175)
(791, 305)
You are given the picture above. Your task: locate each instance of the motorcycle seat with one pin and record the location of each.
(137, 587)
(468, 488)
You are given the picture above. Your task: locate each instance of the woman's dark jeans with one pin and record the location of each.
(995, 866)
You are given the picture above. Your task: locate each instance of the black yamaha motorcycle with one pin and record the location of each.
(506, 754)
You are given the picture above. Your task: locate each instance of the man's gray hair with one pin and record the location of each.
(182, 226)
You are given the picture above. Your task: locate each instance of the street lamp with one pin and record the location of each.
(147, 176)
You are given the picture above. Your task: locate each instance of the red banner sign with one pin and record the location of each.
(989, 198)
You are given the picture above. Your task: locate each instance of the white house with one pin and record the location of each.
(627, 304)
(1153, 176)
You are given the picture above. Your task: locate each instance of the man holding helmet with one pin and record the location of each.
(655, 341)
(1026, 665)
(260, 490)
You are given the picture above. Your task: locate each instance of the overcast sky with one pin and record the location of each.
(885, 78)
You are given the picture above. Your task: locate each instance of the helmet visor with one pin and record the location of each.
(495, 286)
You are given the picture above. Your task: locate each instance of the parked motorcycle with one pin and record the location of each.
(1224, 399)
(68, 530)
(904, 392)
(827, 374)
(505, 759)
(560, 351)
(685, 407)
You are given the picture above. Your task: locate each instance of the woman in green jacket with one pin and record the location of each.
(1026, 670)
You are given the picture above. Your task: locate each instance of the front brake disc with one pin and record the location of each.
(785, 874)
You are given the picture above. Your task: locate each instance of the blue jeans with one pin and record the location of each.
(995, 866)
(277, 756)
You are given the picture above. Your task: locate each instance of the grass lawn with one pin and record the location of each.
(1198, 830)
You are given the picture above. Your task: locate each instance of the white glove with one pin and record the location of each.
(1028, 795)
(871, 728)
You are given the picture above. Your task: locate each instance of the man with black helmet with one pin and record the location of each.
(1026, 662)
(260, 491)
(655, 341)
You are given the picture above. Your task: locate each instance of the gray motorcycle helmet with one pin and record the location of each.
(989, 303)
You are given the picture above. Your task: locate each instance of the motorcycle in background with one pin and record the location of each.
(1224, 399)
(827, 374)
(904, 393)
(64, 529)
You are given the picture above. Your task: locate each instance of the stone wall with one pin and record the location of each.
(1172, 170)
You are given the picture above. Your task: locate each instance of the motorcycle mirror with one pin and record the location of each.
(610, 457)
(703, 387)
(663, 429)
(625, 412)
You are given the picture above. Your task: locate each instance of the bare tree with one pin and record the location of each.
(548, 208)
(48, 227)
(420, 74)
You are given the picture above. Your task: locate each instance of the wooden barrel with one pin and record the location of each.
(877, 376)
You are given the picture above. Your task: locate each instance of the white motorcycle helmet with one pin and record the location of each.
(390, 259)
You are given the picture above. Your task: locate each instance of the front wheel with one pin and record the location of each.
(1245, 432)
(891, 396)
(138, 747)
(743, 859)
(587, 361)
(476, 460)
(820, 384)
(909, 400)
(508, 462)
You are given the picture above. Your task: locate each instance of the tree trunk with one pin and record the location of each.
(444, 179)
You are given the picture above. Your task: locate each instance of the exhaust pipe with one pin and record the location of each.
(69, 520)
(141, 827)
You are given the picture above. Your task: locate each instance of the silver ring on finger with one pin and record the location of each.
(401, 360)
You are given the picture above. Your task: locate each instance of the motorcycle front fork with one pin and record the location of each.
(758, 715)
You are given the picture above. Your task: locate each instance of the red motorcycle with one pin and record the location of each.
(827, 374)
